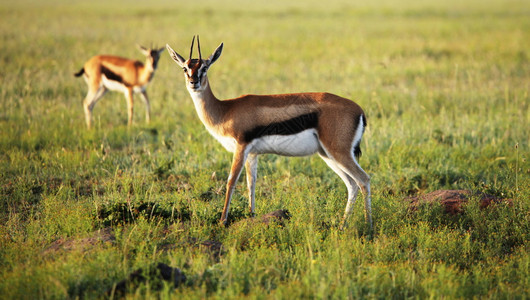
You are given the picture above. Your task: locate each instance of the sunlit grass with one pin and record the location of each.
(445, 88)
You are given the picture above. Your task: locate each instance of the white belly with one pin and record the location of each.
(300, 144)
(114, 85)
(120, 87)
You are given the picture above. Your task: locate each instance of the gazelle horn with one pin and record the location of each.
(191, 49)
(199, 47)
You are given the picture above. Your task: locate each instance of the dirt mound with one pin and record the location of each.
(212, 247)
(158, 273)
(105, 235)
(279, 217)
(453, 200)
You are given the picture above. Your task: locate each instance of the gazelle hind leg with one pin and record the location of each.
(351, 186)
(352, 168)
(348, 164)
(90, 101)
(87, 106)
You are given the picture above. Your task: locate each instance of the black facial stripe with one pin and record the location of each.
(193, 77)
(287, 127)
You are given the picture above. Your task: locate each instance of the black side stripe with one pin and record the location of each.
(288, 127)
(112, 76)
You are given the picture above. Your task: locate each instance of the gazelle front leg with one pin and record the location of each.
(147, 106)
(130, 105)
(240, 155)
(251, 167)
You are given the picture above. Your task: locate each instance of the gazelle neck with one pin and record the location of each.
(208, 107)
(147, 71)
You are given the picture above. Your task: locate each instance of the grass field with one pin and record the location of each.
(445, 86)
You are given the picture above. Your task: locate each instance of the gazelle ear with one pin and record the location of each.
(142, 49)
(160, 50)
(176, 57)
(215, 55)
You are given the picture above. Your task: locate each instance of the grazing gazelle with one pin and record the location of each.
(286, 124)
(106, 72)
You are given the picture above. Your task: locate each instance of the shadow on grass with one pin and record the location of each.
(124, 212)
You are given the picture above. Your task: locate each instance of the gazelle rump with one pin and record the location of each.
(106, 72)
(285, 124)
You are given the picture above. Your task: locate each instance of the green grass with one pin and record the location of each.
(445, 86)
